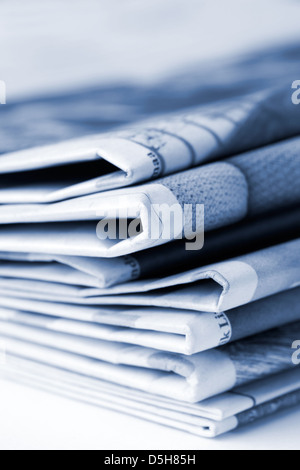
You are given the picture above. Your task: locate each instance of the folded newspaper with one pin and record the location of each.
(209, 418)
(215, 288)
(205, 198)
(228, 242)
(197, 339)
(150, 150)
(185, 378)
(179, 331)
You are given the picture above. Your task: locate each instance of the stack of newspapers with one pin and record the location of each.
(155, 270)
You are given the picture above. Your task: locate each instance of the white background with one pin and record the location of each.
(33, 419)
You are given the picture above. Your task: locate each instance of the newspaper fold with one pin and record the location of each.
(215, 288)
(178, 331)
(186, 378)
(73, 270)
(204, 198)
(222, 244)
(150, 150)
(244, 237)
(209, 418)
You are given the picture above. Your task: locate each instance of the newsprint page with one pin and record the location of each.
(150, 228)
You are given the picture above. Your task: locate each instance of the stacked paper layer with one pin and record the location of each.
(203, 339)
